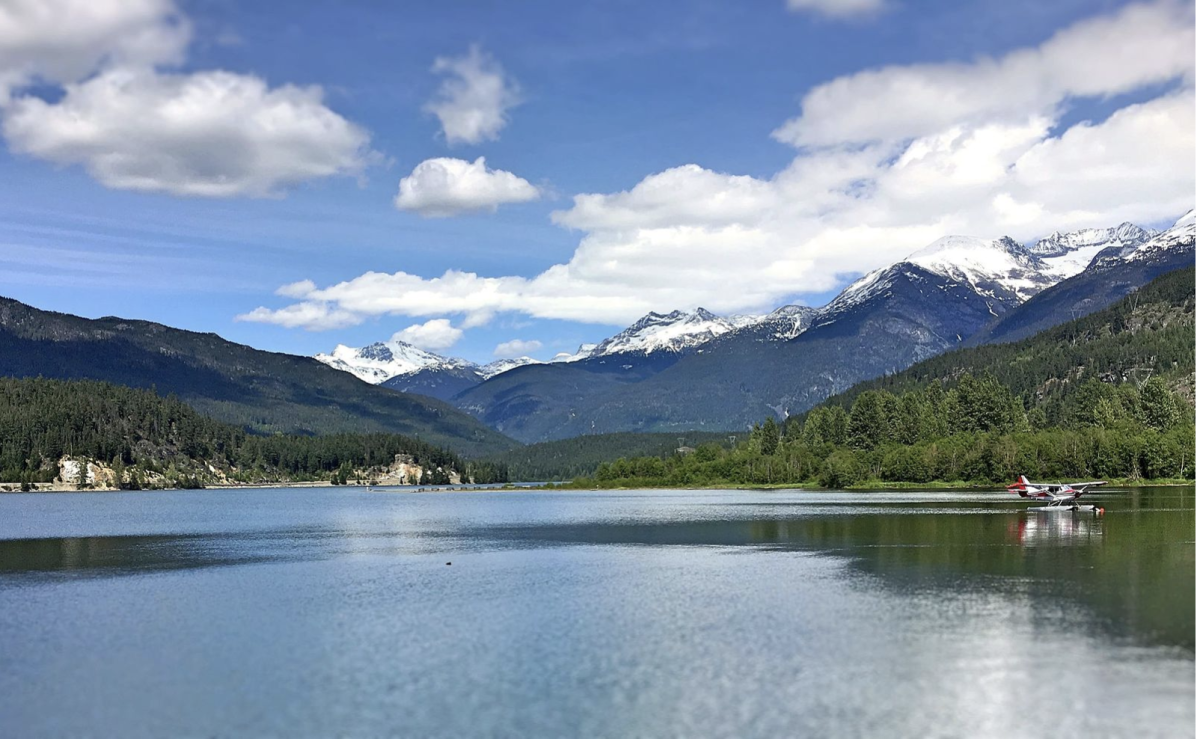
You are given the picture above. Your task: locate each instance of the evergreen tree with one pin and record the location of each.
(769, 439)
(868, 421)
(1159, 409)
(815, 424)
(837, 426)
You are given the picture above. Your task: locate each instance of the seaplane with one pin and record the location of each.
(1058, 496)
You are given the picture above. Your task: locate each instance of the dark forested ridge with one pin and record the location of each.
(580, 455)
(1110, 395)
(262, 391)
(146, 439)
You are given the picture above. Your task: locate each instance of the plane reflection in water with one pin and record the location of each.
(1037, 529)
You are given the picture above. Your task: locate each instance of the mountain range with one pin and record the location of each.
(697, 370)
(668, 372)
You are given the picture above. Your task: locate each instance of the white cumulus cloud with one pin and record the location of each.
(435, 335)
(838, 8)
(688, 194)
(516, 348)
(313, 316)
(732, 243)
(1141, 45)
(65, 40)
(445, 187)
(133, 126)
(212, 134)
(296, 289)
(473, 101)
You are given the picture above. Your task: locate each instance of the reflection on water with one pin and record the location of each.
(1057, 529)
(652, 613)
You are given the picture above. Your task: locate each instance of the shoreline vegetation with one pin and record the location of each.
(133, 439)
(973, 433)
(88, 434)
(933, 487)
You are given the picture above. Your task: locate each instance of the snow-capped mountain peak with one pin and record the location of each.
(787, 322)
(1181, 235)
(381, 361)
(674, 332)
(1001, 268)
(1068, 254)
(1059, 243)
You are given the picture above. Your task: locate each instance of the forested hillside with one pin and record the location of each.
(1150, 332)
(263, 391)
(1107, 396)
(149, 440)
(569, 458)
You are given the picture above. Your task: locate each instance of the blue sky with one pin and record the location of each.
(609, 95)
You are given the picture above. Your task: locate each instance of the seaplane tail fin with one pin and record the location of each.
(1020, 487)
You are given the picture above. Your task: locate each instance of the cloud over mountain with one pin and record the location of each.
(434, 335)
(516, 348)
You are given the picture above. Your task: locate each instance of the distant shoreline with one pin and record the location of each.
(60, 487)
(14, 488)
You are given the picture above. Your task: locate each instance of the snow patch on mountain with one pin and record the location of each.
(871, 285)
(501, 366)
(786, 323)
(583, 352)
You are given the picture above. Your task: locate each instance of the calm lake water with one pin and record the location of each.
(322, 612)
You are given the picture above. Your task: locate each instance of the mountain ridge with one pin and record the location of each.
(260, 390)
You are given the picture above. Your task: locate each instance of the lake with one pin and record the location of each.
(338, 611)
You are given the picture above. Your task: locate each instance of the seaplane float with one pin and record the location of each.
(1057, 496)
